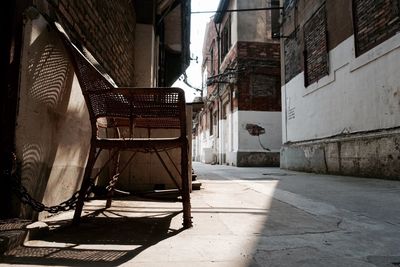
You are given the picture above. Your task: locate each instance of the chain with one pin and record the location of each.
(26, 198)
(69, 204)
(112, 182)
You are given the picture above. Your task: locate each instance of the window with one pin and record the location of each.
(225, 39)
(315, 47)
(374, 22)
(212, 60)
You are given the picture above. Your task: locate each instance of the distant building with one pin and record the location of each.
(240, 123)
(341, 87)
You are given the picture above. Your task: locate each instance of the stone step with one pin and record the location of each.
(196, 185)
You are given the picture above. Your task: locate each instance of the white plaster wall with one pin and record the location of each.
(360, 94)
(230, 142)
(206, 149)
(234, 137)
(271, 139)
(144, 36)
(226, 134)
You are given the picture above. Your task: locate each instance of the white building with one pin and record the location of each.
(341, 87)
(240, 123)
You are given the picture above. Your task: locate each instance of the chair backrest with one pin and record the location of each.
(148, 107)
(158, 107)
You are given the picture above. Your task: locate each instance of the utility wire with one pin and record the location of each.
(238, 10)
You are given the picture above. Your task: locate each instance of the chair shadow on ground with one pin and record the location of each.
(70, 245)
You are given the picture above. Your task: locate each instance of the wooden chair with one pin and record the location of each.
(149, 108)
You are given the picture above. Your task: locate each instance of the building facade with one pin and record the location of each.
(46, 123)
(240, 123)
(340, 87)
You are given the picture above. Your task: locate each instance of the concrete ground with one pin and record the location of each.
(242, 217)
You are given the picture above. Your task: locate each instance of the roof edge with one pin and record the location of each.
(222, 6)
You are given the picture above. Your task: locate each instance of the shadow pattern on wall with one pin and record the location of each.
(46, 82)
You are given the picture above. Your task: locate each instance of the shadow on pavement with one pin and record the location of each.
(96, 241)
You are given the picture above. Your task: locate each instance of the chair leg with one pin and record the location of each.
(85, 185)
(109, 199)
(187, 217)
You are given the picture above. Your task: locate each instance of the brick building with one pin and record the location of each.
(340, 87)
(240, 123)
(43, 114)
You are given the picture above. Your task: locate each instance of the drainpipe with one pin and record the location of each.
(218, 31)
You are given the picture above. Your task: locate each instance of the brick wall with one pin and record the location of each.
(338, 24)
(374, 22)
(258, 79)
(106, 28)
(315, 47)
(293, 56)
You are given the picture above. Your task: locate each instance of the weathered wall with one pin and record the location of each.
(258, 76)
(358, 95)
(269, 121)
(338, 25)
(144, 56)
(252, 149)
(52, 138)
(375, 22)
(53, 130)
(106, 29)
(374, 155)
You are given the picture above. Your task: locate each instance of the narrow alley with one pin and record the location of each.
(242, 217)
(200, 133)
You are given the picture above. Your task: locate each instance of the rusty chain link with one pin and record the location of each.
(22, 193)
(112, 182)
(26, 198)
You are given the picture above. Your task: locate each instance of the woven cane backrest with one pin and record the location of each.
(158, 107)
(147, 107)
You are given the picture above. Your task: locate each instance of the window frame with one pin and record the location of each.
(226, 39)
